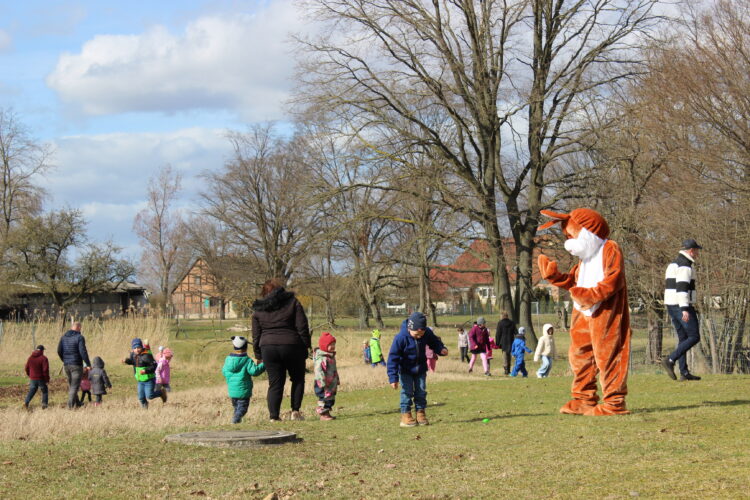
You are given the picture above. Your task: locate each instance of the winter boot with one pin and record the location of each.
(422, 418)
(407, 420)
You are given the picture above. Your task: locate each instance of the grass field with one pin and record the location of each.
(683, 440)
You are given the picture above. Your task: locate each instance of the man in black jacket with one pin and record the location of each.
(73, 353)
(504, 335)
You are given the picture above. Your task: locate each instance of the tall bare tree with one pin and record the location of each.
(261, 197)
(674, 165)
(162, 232)
(480, 64)
(234, 272)
(22, 159)
(700, 86)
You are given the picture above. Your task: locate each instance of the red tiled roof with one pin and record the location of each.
(471, 268)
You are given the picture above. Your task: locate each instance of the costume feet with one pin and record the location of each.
(578, 407)
(604, 410)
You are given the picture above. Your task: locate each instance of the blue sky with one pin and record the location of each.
(121, 88)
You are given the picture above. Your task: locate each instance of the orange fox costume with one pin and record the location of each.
(600, 329)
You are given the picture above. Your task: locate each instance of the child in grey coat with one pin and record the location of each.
(99, 380)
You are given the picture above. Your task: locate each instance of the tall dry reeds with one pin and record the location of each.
(107, 338)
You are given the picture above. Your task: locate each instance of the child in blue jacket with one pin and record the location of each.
(518, 349)
(407, 363)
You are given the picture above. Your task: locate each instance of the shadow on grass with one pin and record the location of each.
(392, 411)
(499, 417)
(704, 404)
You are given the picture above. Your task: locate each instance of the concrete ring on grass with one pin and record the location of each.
(233, 439)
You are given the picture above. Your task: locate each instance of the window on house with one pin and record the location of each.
(196, 280)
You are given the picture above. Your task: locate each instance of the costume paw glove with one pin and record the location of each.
(547, 267)
(583, 297)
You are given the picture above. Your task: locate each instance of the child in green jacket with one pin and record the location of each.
(239, 370)
(376, 354)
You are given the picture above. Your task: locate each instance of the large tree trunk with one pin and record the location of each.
(364, 316)
(525, 251)
(330, 318)
(498, 265)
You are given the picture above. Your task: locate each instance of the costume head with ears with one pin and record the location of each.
(573, 222)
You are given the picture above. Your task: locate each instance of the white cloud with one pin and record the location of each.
(239, 62)
(5, 40)
(105, 176)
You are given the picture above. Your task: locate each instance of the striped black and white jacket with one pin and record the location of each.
(679, 289)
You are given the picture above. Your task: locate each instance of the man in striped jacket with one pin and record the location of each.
(679, 297)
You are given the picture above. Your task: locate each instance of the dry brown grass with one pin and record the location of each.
(186, 409)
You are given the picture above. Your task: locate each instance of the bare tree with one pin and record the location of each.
(356, 209)
(161, 230)
(261, 198)
(22, 159)
(41, 248)
(234, 273)
(700, 87)
(480, 64)
(674, 164)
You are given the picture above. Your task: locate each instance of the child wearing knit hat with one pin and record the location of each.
(144, 366)
(326, 375)
(238, 370)
(407, 365)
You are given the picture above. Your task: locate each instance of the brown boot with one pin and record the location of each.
(407, 420)
(422, 418)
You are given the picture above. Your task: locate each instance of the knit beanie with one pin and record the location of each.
(239, 342)
(522, 331)
(417, 321)
(326, 339)
(136, 343)
(481, 320)
(585, 217)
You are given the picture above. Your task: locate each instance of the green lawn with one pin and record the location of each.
(683, 440)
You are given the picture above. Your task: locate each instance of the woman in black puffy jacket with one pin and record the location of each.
(281, 339)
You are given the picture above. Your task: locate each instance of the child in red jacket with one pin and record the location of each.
(37, 368)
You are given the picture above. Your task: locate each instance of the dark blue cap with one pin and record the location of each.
(135, 343)
(417, 321)
(690, 243)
